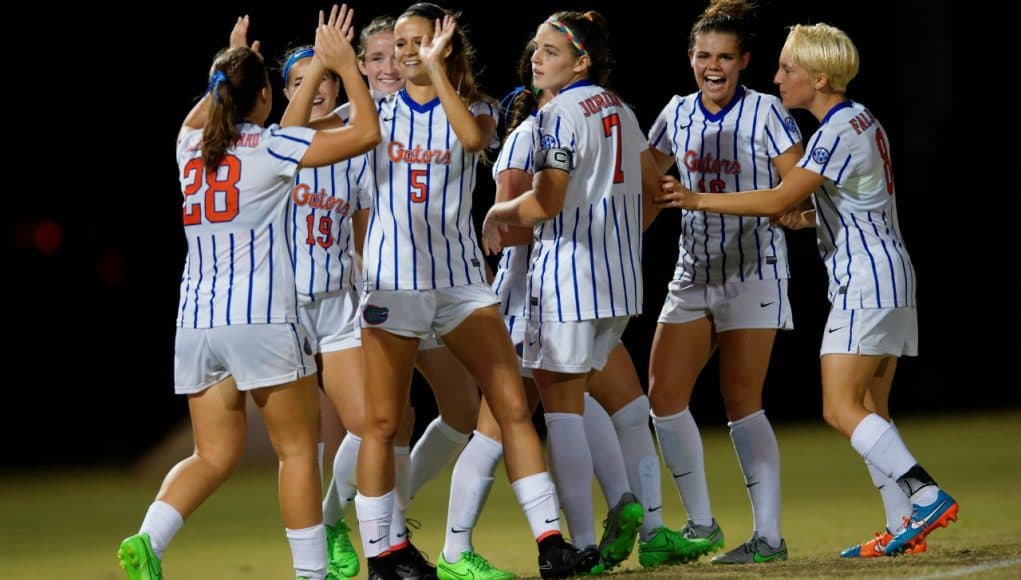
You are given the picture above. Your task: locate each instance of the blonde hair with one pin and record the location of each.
(824, 49)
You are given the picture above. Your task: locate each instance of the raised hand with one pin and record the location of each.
(333, 39)
(239, 34)
(675, 195)
(434, 50)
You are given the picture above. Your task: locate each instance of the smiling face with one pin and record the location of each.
(717, 62)
(379, 64)
(326, 95)
(555, 62)
(796, 83)
(409, 34)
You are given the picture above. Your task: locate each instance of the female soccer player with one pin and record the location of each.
(848, 174)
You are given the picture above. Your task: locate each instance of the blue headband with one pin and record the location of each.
(298, 55)
(214, 81)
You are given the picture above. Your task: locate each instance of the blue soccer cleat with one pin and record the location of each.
(924, 519)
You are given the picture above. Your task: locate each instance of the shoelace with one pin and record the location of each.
(479, 561)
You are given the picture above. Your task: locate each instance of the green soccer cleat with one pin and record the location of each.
(707, 539)
(620, 529)
(471, 566)
(665, 547)
(755, 551)
(138, 559)
(343, 557)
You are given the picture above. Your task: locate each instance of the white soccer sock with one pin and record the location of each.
(538, 499)
(681, 445)
(161, 522)
(607, 459)
(398, 529)
(571, 461)
(374, 515)
(308, 551)
(896, 504)
(342, 488)
(435, 450)
(469, 487)
(880, 444)
(641, 460)
(759, 456)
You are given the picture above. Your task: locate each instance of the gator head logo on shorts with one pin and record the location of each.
(307, 347)
(820, 155)
(375, 314)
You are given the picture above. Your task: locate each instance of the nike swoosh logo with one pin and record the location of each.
(457, 531)
(760, 559)
(924, 521)
(379, 539)
(402, 534)
(549, 521)
(678, 476)
(751, 485)
(655, 509)
(832, 330)
(765, 304)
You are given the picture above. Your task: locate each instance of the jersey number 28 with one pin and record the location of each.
(224, 190)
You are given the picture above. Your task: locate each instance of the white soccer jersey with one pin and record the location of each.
(731, 150)
(509, 282)
(857, 229)
(421, 234)
(587, 261)
(319, 226)
(238, 269)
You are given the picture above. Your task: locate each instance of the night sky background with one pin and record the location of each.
(94, 244)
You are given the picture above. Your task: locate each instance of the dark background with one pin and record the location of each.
(95, 248)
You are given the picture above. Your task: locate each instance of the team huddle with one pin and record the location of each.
(336, 252)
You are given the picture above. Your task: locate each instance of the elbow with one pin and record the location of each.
(473, 145)
(369, 137)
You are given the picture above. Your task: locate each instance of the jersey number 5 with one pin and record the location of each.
(609, 122)
(417, 183)
(224, 190)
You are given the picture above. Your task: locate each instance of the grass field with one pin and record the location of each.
(68, 525)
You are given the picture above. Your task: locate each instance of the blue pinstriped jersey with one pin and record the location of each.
(856, 212)
(586, 262)
(319, 226)
(421, 235)
(509, 281)
(238, 269)
(731, 150)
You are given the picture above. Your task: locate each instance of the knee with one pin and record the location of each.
(221, 459)
(831, 414)
(381, 426)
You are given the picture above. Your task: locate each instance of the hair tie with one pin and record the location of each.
(214, 82)
(307, 52)
(559, 25)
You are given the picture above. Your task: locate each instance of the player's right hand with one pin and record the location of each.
(239, 34)
(333, 39)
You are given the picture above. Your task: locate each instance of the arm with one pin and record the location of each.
(474, 133)
(510, 184)
(199, 114)
(802, 215)
(654, 164)
(544, 201)
(333, 47)
(796, 187)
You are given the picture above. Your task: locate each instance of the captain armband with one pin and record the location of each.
(553, 158)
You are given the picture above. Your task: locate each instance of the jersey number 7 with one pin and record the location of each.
(223, 189)
(609, 122)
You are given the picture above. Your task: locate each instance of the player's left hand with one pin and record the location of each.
(675, 195)
(239, 34)
(434, 50)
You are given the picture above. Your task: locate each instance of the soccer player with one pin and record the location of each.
(729, 290)
(237, 324)
(848, 174)
(424, 276)
(585, 278)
